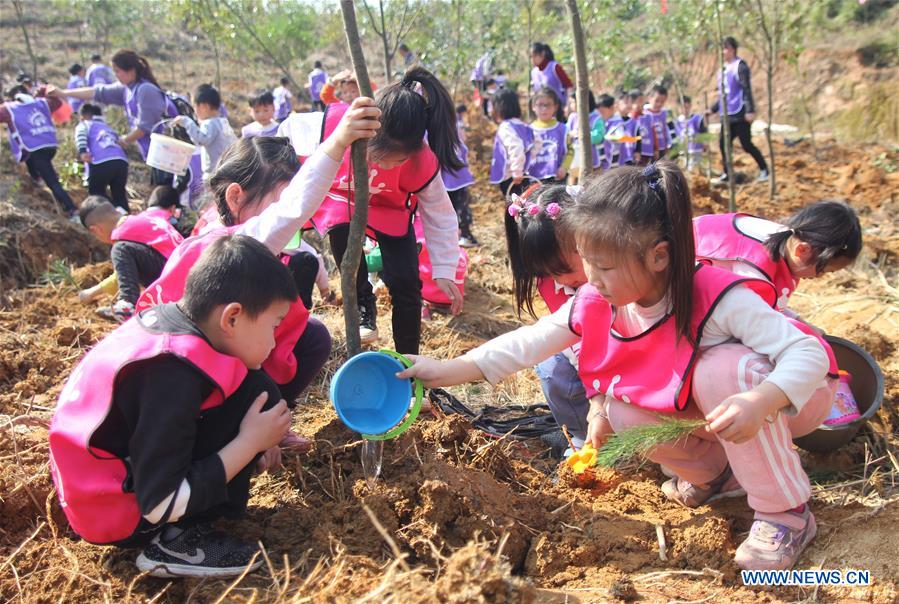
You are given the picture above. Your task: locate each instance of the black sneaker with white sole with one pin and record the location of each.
(198, 551)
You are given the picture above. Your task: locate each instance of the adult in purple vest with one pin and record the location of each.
(548, 73)
(99, 73)
(32, 139)
(317, 79)
(735, 92)
(146, 105)
(76, 80)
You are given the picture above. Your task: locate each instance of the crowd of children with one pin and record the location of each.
(194, 391)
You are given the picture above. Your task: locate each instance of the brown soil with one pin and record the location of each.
(474, 518)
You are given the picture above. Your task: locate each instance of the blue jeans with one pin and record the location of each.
(565, 394)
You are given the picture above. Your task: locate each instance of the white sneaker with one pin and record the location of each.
(367, 335)
(763, 176)
(722, 178)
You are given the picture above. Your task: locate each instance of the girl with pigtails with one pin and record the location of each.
(417, 140)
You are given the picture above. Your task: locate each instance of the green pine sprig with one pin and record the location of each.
(627, 444)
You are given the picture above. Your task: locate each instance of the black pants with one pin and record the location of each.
(135, 265)
(742, 129)
(400, 274)
(461, 200)
(110, 175)
(40, 165)
(304, 268)
(158, 177)
(318, 105)
(311, 351)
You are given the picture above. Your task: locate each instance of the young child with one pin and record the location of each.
(262, 108)
(317, 78)
(213, 134)
(641, 126)
(159, 428)
(547, 73)
(404, 168)
(660, 335)
(32, 139)
(608, 155)
(658, 118)
(821, 238)
(76, 80)
(141, 244)
(457, 183)
(105, 162)
(543, 258)
(597, 133)
(617, 149)
(342, 88)
(261, 191)
(512, 144)
(549, 156)
(687, 127)
(99, 73)
(283, 104)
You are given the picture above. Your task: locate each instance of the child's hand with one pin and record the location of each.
(85, 157)
(361, 121)
(51, 90)
(265, 429)
(516, 180)
(560, 173)
(435, 374)
(598, 426)
(451, 290)
(270, 460)
(179, 121)
(85, 296)
(739, 418)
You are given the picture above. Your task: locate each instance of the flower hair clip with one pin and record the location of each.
(552, 210)
(514, 209)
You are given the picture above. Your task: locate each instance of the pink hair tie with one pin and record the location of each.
(552, 210)
(533, 209)
(514, 210)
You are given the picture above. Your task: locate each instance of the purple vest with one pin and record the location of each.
(642, 127)
(76, 81)
(98, 73)
(252, 129)
(498, 164)
(733, 90)
(317, 81)
(574, 133)
(689, 128)
(455, 180)
(195, 189)
(549, 151)
(549, 78)
(32, 127)
(282, 103)
(102, 142)
(131, 111)
(618, 154)
(659, 122)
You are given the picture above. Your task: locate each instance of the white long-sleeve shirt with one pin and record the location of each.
(514, 148)
(800, 363)
(213, 135)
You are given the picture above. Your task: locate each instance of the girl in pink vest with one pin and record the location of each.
(261, 191)
(160, 426)
(660, 335)
(418, 139)
(544, 261)
(141, 244)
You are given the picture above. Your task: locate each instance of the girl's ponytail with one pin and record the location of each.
(830, 227)
(407, 114)
(666, 179)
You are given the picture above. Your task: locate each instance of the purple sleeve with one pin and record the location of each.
(150, 107)
(110, 94)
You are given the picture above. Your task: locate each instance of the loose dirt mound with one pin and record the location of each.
(469, 518)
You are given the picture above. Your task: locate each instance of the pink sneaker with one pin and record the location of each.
(690, 495)
(776, 541)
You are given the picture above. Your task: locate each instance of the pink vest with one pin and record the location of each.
(652, 370)
(89, 481)
(718, 238)
(429, 290)
(391, 201)
(547, 289)
(149, 229)
(281, 363)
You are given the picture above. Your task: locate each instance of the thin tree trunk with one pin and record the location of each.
(388, 70)
(527, 61)
(583, 91)
(218, 61)
(249, 29)
(771, 33)
(17, 4)
(351, 258)
(708, 156)
(725, 123)
(457, 70)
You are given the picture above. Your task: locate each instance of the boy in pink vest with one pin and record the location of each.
(160, 426)
(141, 244)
